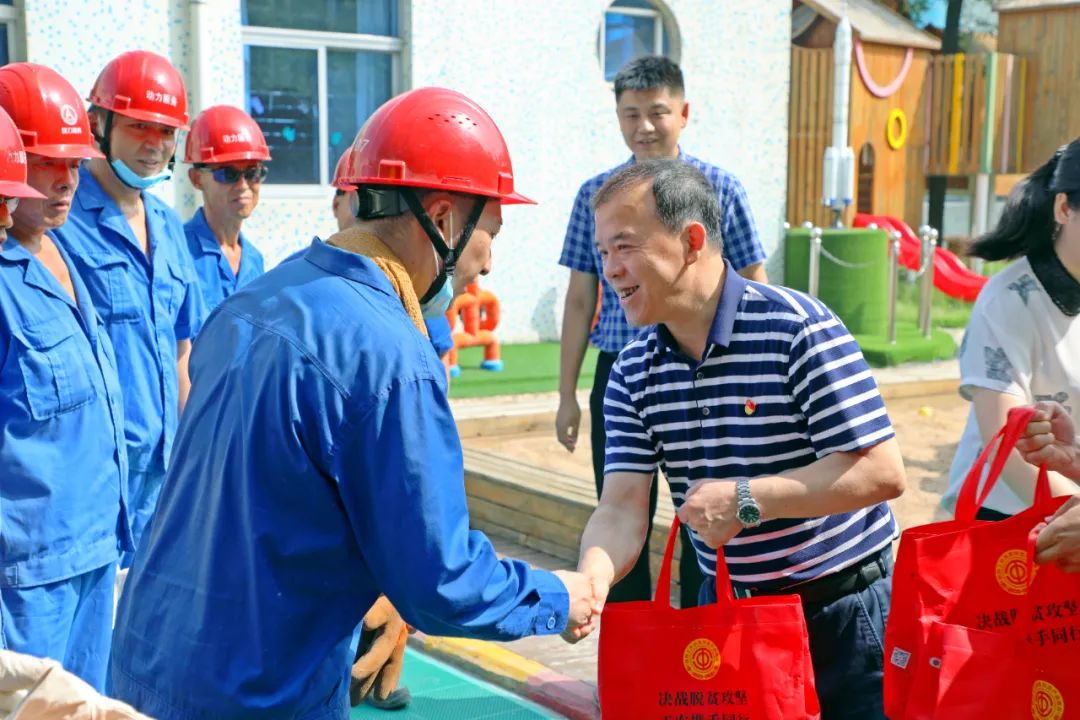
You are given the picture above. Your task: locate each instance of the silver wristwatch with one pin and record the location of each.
(748, 511)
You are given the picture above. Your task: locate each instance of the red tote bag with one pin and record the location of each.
(740, 659)
(962, 572)
(1028, 669)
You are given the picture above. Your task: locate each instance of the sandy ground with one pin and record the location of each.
(927, 428)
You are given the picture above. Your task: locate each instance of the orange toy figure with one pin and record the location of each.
(479, 313)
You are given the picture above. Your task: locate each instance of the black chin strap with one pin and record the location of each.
(448, 255)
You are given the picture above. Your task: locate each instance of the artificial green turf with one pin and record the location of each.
(945, 311)
(534, 368)
(531, 368)
(910, 346)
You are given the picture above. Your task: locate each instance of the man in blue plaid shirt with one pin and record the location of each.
(652, 112)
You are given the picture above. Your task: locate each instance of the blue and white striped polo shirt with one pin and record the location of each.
(782, 384)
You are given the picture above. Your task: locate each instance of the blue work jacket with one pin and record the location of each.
(216, 278)
(147, 303)
(63, 467)
(317, 465)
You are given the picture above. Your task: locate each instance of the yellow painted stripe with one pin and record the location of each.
(957, 107)
(486, 655)
(1021, 106)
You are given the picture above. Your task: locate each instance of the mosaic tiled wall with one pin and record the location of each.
(534, 67)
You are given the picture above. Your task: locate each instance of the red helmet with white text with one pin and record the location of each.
(222, 134)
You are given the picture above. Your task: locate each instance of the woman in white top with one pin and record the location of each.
(1022, 345)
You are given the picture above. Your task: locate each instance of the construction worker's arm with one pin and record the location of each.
(398, 467)
(183, 379)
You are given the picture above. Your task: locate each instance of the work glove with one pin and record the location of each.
(380, 654)
(33, 688)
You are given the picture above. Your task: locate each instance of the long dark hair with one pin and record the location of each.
(1027, 222)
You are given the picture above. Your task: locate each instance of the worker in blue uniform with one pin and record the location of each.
(318, 465)
(63, 463)
(129, 247)
(228, 153)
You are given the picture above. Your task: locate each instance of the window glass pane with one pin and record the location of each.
(369, 17)
(282, 96)
(640, 4)
(626, 37)
(357, 83)
(5, 51)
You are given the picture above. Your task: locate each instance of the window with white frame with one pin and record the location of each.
(314, 70)
(632, 28)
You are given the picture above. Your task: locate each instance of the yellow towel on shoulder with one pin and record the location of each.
(364, 243)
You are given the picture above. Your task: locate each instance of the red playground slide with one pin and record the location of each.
(951, 276)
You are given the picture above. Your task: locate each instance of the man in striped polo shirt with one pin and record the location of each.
(652, 111)
(759, 408)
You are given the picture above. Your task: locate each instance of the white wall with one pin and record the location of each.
(532, 64)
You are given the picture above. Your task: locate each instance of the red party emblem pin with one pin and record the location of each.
(749, 407)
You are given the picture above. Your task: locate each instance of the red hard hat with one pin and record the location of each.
(47, 110)
(433, 138)
(222, 134)
(342, 168)
(144, 86)
(13, 162)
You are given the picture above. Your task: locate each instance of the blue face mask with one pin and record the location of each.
(439, 303)
(129, 178)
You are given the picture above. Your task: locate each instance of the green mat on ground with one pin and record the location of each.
(440, 692)
(532, 368)
(910, 346)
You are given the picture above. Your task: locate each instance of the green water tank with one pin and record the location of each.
(854, 274)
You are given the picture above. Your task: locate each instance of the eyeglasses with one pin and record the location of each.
(229, 175)
(11, 203)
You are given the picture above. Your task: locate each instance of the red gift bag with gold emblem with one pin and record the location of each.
(740, 659)
(972, 575)
(1026, 669)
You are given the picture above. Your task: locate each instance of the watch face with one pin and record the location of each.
(749, 515)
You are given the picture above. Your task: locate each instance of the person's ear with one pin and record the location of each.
(195, 177)
(696, 239)
(1063, 212)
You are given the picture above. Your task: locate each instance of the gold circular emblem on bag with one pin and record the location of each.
(701, 658)
(1046, 702)
(1012, 572)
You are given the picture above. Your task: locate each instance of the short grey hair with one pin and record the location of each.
(682, 193)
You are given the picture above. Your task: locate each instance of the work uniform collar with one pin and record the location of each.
(208, 242)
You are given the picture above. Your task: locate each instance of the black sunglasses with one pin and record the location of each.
(229, 175)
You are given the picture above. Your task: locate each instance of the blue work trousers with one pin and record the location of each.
(143, 491)
(69, 621)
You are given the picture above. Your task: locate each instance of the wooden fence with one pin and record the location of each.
(810, 132)
(977, 117)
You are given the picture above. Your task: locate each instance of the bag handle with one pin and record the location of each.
(971, 498)
(724, 595)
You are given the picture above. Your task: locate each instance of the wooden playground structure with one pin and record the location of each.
(983, 120)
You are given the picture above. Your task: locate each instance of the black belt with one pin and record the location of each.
(832, 587)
